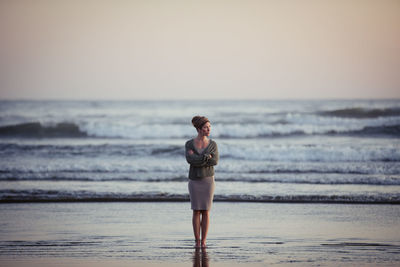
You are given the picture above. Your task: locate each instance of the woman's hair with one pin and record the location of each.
(199, 121)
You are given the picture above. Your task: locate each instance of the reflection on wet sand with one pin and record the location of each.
(200, 258)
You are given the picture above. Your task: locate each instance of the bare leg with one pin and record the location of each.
(196, 226)
(205, 222)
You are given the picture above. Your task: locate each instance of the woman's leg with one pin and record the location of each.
(205, 222)
(196, 226)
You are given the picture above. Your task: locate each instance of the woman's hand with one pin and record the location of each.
(190, 152)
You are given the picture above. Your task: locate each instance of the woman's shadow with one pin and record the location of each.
(200, 258)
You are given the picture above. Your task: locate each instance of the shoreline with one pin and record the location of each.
(179, 200)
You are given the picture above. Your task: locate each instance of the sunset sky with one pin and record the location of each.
(62, 49)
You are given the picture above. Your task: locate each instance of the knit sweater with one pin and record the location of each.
(200, 164)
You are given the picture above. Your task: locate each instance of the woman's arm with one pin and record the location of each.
(213, 160)
(193, 158)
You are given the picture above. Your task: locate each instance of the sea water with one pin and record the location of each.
(340, 151)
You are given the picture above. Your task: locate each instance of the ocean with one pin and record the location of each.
(309, 151)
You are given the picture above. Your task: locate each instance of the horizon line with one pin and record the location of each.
(194, 100)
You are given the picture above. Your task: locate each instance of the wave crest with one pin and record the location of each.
(27, 196)
(36, 129)
(361, 113)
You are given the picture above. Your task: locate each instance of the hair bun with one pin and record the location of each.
(199, 121)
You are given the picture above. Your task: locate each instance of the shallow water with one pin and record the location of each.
(253, 233)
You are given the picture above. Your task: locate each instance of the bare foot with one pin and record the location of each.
(197, 244)
(203, 244)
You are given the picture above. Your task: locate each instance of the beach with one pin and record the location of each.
(160, 234)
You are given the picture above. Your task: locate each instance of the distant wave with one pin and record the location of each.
(90, 150)
(13, 196)
(393, 130)
(148, 132)
(36, 129)
(384, 130)
(264, 135)
(361, 113)
(153, 150)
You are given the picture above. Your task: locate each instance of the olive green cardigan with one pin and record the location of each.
(200, 164)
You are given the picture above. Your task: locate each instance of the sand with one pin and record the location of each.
(160, 234)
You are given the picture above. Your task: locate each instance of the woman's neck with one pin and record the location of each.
(202, 138)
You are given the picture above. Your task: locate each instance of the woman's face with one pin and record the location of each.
(206, 129)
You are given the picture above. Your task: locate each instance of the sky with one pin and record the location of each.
(170, 49)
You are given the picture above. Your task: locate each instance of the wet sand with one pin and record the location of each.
(160, 234)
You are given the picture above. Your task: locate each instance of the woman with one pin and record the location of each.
(202, 154)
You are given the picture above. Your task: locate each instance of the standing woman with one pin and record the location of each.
(202, 154)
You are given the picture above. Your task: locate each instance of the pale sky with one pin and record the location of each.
(248, 49)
